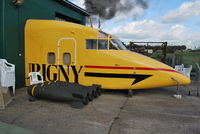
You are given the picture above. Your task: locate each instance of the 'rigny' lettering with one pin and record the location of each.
(47, 71)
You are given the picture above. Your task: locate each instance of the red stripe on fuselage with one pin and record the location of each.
(108, 67)
(131, 68)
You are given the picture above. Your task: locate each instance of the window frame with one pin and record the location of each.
(63, 61)
(48, 57)
(107, 44)
(91, 48)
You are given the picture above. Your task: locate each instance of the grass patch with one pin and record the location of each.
(181, 57)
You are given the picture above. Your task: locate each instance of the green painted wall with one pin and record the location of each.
(13, 19)
(1, 29)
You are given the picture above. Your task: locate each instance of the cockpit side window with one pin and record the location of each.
(113, 46)
(102, 44)
(91, 44)
(116, 45)
(105, 44)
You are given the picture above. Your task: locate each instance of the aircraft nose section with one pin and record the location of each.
(180, 78)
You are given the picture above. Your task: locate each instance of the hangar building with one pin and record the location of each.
(13, 16)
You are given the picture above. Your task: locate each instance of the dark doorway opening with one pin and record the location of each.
(61, 17)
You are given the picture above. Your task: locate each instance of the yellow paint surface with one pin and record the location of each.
(44, 36)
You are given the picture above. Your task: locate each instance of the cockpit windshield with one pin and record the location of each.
(117, 45)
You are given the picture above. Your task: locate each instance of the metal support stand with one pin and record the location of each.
(189, 93)
(198, 79)
(178, 85)
(177, 95)
(130, 93)
(198, 85)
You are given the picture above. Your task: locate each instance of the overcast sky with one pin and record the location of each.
(175, 21)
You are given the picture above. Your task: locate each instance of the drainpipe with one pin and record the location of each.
(2, 38)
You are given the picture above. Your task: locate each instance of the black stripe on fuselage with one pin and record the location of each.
(138, 77)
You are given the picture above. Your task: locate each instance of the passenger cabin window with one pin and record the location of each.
(51, 58)
(102, 44)
(91, 44)
(66, 58)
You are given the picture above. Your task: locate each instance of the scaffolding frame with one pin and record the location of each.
(163, 46)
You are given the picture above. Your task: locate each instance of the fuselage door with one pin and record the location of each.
(66, 52)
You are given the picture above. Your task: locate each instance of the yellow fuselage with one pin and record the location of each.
(112, 69)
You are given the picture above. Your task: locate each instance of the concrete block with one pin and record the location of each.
(5, 97)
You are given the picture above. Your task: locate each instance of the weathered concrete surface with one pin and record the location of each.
(147, 112)
(11, 129)
(47, 117)
(156, 111)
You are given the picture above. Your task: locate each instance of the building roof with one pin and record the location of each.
(73, 6)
